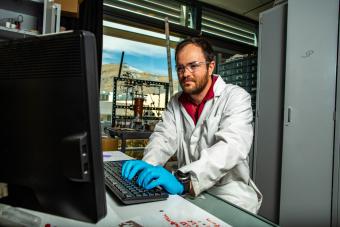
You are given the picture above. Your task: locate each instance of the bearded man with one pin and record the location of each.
(208, 125)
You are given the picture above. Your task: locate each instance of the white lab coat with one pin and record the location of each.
(215, 150)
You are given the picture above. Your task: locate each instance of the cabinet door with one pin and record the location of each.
(269, 104)
(307, 158)
(336, 171)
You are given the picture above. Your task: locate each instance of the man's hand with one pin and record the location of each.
(158, 176)
(131, 167)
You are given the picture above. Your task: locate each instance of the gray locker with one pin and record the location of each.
(309, 104)
(297, 141)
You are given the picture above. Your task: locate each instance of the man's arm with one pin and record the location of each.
(162, 145)
(232, 143)
(163, 141)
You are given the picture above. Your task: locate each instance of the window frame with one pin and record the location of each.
(140, 21)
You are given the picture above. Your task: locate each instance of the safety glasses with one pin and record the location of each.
(191, 66)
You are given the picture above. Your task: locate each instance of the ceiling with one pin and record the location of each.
(247, 8)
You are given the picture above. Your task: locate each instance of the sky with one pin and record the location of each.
(142, 56)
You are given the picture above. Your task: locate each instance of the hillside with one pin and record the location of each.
(111, 70)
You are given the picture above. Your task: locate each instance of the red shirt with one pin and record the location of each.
(195, 110)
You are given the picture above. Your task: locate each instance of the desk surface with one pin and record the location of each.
(157, 213)
(205, 210)
(229, 213)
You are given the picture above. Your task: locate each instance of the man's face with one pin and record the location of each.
(193, 72)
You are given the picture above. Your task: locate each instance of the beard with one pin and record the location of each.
(199, 84)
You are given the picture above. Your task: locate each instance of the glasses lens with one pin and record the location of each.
(180, 69)
(194, 66)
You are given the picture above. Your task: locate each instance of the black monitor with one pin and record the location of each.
(50, 151)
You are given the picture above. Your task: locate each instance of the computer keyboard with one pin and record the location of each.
(129, 192)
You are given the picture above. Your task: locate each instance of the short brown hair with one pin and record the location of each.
(200, 42)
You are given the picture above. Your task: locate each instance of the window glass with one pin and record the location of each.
(177, 12)
(225, 26)
(141, 61)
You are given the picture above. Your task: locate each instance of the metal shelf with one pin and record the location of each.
(145, 107)
(38, 1)
(131, 82)
(122, 117)
(10, 33)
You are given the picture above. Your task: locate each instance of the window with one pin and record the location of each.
(141, 60)
(176, 12)
(225, 26)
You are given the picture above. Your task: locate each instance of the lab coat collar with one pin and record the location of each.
(219, 86)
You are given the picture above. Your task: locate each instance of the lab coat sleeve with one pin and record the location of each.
(232, 143)
(163, 141)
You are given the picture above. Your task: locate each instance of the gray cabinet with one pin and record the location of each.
(308, 134)
(296, 153)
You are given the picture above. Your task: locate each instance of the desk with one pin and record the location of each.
(117, 213)
(206, 209)
(223, 210)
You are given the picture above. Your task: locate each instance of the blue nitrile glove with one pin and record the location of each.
(158, 176)
(131, 167)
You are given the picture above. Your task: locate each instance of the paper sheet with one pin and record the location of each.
(175, 211)
(170, 217)
(114, 156)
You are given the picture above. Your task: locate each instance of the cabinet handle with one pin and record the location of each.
(289, 116)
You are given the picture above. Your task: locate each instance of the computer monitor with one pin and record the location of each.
(50, 151)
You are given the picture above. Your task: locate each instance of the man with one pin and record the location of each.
(209, 125)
